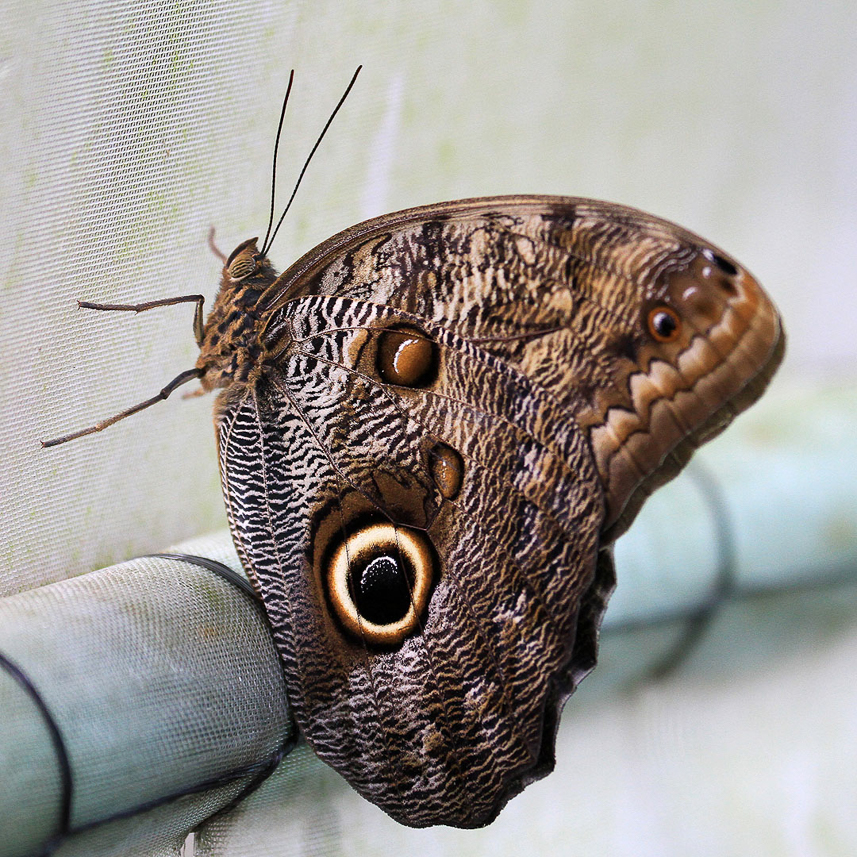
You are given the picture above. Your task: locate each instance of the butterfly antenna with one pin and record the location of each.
(267, 243)
(274, 167)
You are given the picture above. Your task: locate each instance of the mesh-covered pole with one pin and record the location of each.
(148, 687)
(774, 498)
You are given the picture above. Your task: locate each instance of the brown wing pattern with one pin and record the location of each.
(443, 725)
(454, 411)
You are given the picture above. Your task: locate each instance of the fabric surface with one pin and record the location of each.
(165, 695)
(131, 128)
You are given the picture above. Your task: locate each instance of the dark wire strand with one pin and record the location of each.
(66, 779)
(257, 772)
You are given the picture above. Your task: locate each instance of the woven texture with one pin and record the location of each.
(165, 692)
(131, 128)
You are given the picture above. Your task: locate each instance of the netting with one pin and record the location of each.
(148, 687)
(129, 130)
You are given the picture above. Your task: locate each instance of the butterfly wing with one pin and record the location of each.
(422, 476)
(562, 289)
(439, 725)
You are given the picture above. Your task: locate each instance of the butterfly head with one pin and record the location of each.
(229, 350)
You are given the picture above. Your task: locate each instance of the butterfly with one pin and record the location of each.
(431, 429)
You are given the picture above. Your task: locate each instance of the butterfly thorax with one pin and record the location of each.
(230, 350)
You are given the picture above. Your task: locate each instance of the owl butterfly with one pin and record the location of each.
(431, 429)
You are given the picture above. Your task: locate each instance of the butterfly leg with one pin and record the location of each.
(183, 378)
(199, 300)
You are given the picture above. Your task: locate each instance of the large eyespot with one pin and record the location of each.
(407, 358)
(379, 580)
(664, 324)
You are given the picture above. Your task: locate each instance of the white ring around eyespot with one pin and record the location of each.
(363, 546)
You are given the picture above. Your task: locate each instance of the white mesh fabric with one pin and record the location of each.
(135, 128)
(128, 129)
(110, 200)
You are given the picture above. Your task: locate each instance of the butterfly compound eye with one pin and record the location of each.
(243, 260)
(243, 266)
(379, 580)
(664, 324)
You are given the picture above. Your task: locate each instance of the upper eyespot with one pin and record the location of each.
(379, 580)
(407, 358)
(724, 264)
(664, 324)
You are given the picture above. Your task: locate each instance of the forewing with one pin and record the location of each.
(562, 290)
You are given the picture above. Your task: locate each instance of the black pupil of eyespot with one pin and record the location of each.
(724, 264)
(381, 591)
(665, 325)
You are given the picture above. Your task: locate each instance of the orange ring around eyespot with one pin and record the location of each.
(670, 313)
(363, 546)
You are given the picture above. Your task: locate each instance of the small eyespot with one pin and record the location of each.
(379, 580)
(406, 358)
(664, 324)
(447, 469)
(724, 264)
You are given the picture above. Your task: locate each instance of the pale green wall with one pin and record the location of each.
(128, 129)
